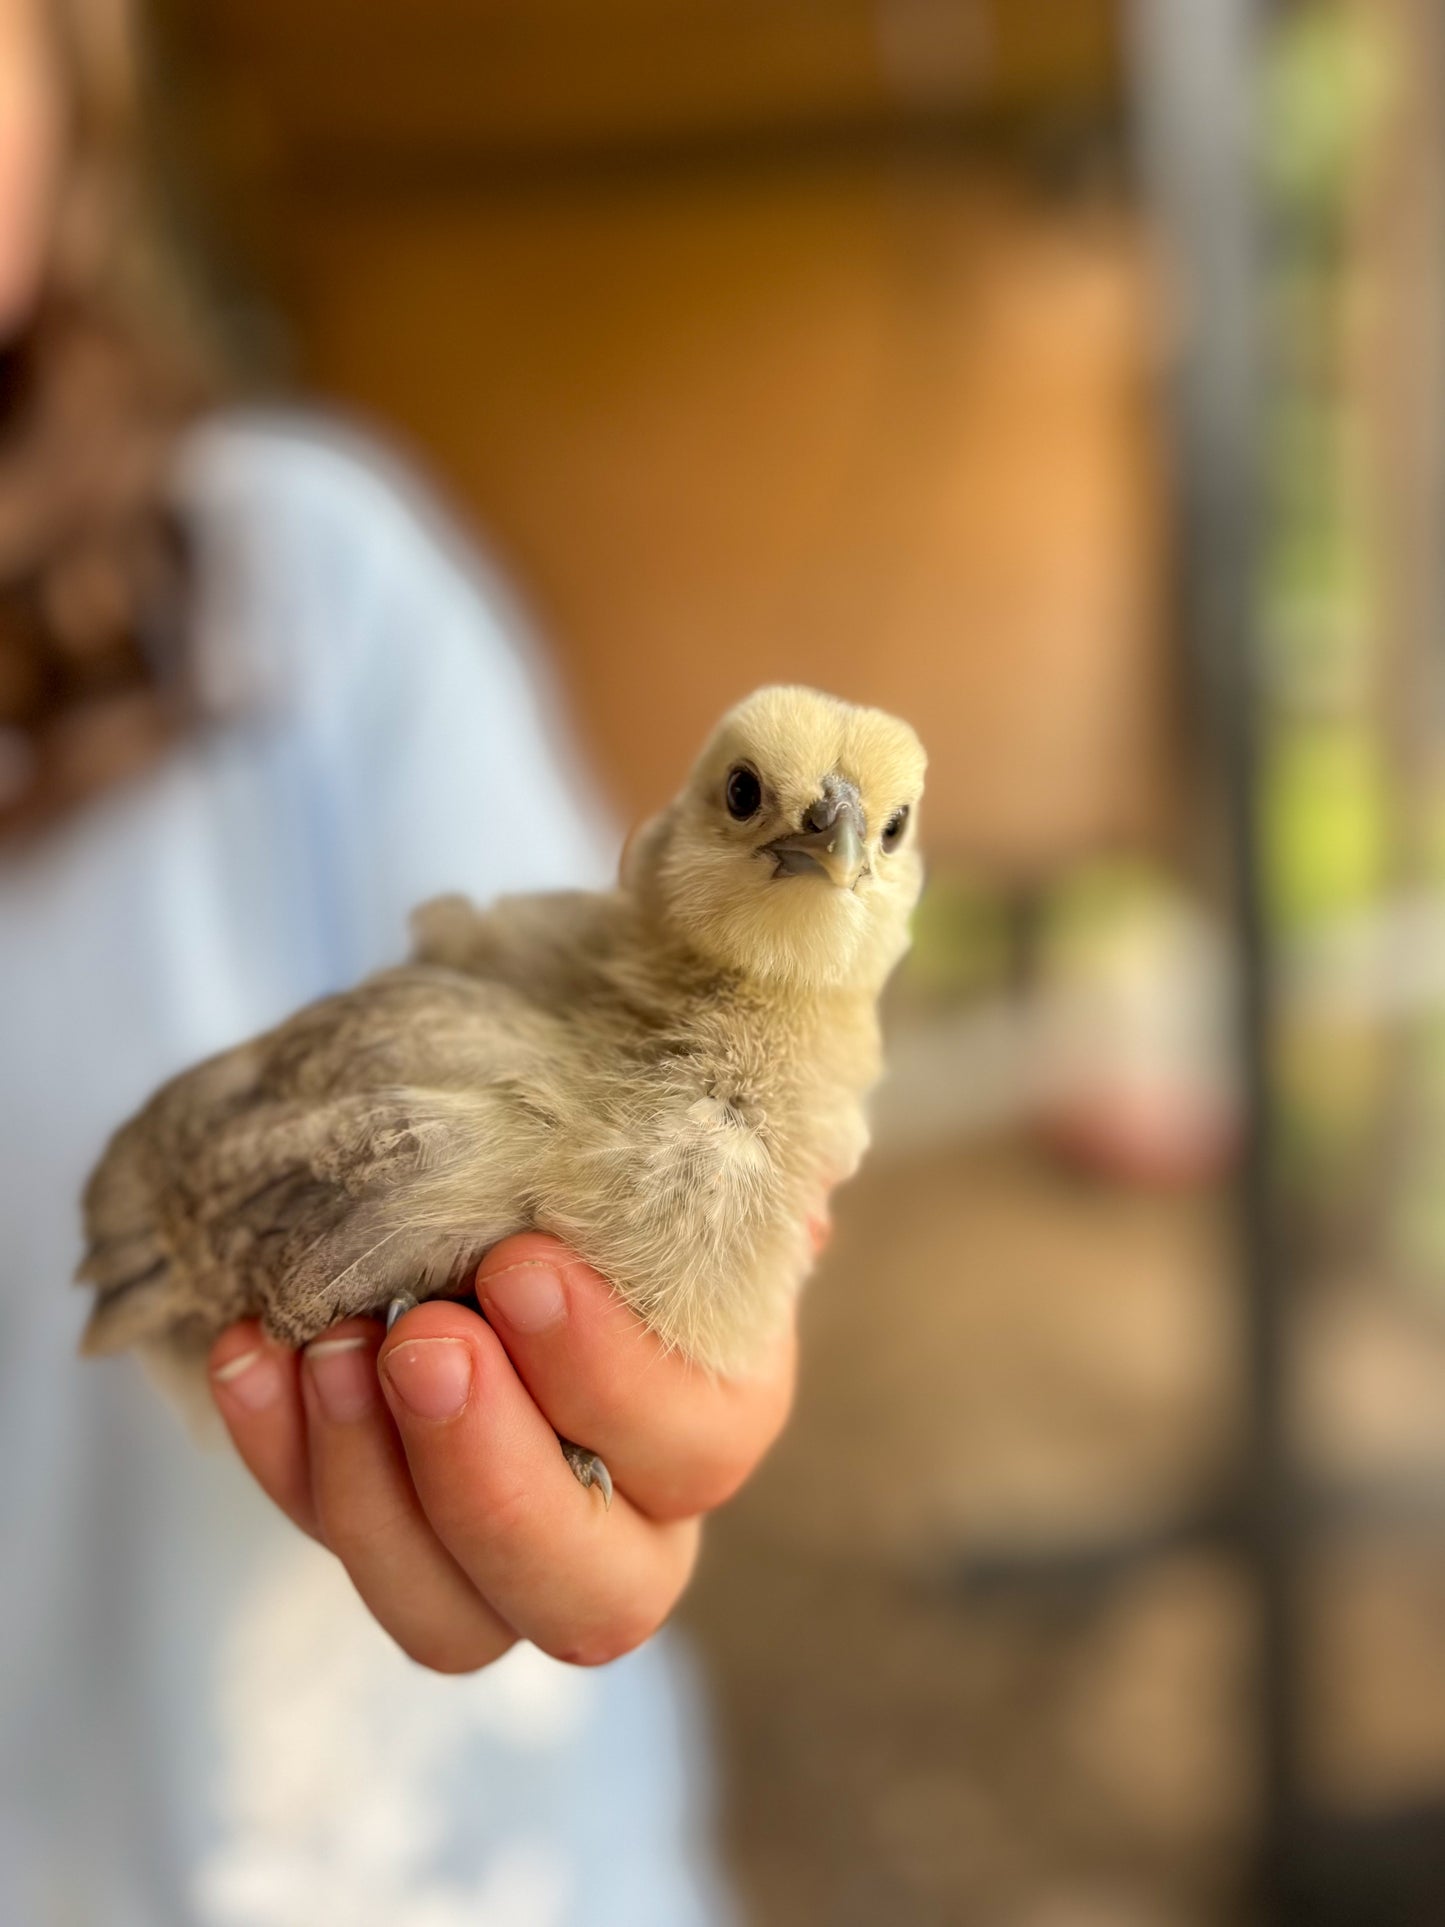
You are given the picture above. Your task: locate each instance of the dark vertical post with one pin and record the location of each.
(1196, 95)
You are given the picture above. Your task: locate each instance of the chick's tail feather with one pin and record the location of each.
(127, 1312)
(127, 1259)
(301, 1213)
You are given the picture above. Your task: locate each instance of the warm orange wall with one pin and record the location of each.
(891, 442)
(839, 413)
(496, 77)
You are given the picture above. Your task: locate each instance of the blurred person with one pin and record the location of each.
(255, 702)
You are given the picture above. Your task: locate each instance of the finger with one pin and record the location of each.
(369, 1516)
(254, 1383)
(677, 1439)
(582, 1582)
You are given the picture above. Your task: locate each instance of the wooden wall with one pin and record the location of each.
(748, 366)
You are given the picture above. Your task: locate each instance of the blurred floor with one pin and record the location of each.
(1000, 1354)
(993, 1349)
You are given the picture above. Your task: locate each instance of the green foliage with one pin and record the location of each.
(1328, 822)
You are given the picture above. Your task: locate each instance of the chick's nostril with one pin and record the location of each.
(839, 796)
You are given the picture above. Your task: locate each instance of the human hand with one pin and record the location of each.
(427, 1459)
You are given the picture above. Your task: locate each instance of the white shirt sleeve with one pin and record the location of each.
(433, 751)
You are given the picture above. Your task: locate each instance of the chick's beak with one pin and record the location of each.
(830, 844)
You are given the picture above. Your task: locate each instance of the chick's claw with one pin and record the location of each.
(398, 1308)
(589, 1469)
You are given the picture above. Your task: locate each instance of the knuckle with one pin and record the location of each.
(774, 1409)
(724, 1453)
(703, 1488)
(724, 1476)
(452, 1654)
(716, 1477)
(601, 1644)
(630, 1618)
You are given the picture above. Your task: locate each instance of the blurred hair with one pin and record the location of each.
(112, 365)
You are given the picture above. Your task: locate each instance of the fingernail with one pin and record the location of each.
(528, 1297)
(253, 1380)
(431, 1376)
(343, 1372)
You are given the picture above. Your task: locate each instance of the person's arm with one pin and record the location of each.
(427, 1459)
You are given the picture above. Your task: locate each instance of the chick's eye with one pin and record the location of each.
(893, 829)
(744, 793)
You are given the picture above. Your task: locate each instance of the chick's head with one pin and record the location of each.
(792, 853)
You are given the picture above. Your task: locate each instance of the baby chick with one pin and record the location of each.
(668, 1076)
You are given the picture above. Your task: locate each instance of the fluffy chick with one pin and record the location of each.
(669, 1076)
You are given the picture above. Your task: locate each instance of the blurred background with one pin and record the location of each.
(1066, 376)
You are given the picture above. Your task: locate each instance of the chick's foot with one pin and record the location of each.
(588, 1468)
